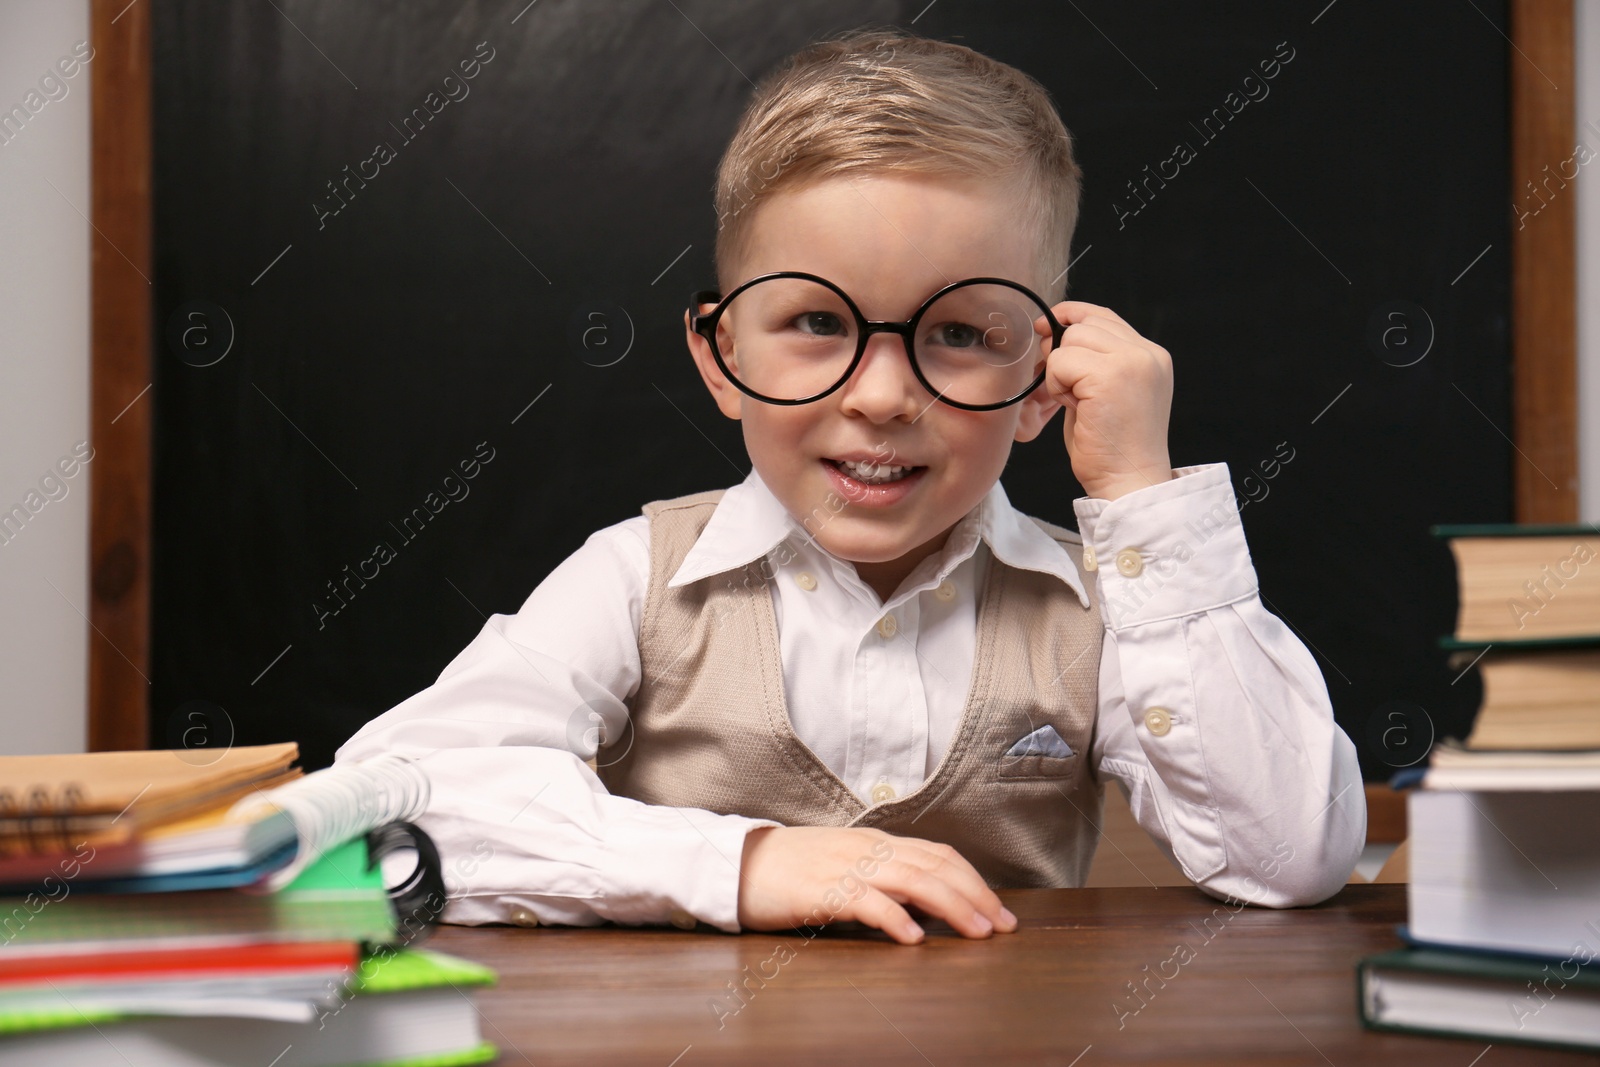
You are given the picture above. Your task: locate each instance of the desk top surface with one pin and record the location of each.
(1256, 986)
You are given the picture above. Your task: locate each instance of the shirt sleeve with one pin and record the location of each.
(526, 830)
(1213, 716)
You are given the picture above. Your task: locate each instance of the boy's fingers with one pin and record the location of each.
(948, 861)
(911, 884)
(1070, 311)
(877, 910)
(984, 901)
(1069, 365)
(945, 862)
(1093, 335)
(1108, 335)
(1094, 314)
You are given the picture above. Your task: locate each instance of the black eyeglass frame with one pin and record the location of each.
(705, 324)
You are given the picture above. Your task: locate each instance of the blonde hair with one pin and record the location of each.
(881, 100)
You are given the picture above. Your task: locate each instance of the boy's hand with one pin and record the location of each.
(1116, 387)
(795, 875)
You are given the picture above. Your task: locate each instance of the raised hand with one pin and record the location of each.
(1116, 387)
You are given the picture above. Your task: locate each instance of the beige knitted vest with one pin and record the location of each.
(710, 726)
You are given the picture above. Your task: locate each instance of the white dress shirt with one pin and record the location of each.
(1212, 715)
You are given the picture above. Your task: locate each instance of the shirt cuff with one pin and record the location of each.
(1168, 550)
(697, 853)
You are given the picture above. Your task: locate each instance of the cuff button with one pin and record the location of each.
(1158, 721)
(681, 919)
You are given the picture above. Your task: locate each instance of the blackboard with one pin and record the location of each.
(343, 336)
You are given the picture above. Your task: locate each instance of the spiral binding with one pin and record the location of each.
(331, 806)
(40, 824)
(419, 900)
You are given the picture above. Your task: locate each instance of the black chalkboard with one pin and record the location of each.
(346, 333)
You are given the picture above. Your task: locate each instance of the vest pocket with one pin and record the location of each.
(1037, 766)
(1036, 747)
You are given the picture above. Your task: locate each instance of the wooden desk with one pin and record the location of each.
(1262, 986)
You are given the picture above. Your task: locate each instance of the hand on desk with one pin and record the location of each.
(806, 875)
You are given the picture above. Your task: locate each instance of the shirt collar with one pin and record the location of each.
(749, 522)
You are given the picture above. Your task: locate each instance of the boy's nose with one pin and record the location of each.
(883, 386)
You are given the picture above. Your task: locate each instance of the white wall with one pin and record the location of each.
(44, 377)
(1587, 186)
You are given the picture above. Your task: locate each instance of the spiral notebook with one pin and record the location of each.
(57, 802)
(247, 831)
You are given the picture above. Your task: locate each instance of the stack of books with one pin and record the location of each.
(1529, 617)
(137, 925)
(146, 820)
(1503, 923)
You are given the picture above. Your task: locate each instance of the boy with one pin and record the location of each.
(860, 682)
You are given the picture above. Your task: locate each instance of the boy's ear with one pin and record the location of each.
(1035, 412)
(729, 400)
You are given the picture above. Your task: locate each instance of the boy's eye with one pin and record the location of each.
(957, 335)
(965, 335)
(820, 323)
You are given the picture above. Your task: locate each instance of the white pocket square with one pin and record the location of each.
(1042, 742)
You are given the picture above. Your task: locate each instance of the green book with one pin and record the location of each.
(1454, 644)
(402, 1008)
(1491, 996)
(1514, 529)
(336, 898)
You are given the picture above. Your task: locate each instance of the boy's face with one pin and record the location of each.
(890, 241)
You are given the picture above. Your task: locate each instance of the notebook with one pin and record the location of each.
(56, 803)
(203, 851)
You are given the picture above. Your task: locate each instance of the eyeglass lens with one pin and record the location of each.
(790, 338)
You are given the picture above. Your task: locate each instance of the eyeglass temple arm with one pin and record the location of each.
(702, 296)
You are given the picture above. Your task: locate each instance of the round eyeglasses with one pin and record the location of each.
(791, 338)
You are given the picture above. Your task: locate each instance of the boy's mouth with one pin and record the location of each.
(872, 484)
(869, 472)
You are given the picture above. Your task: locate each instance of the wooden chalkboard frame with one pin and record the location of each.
(120, 370)
(1544, 336)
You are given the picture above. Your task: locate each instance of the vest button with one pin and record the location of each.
(887, 626)
(805, 581)
(524, 917)
(1158, 721)
(882, 793)
(1129, 563)
(946, 590)
(1089, 561)
(681, 919)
